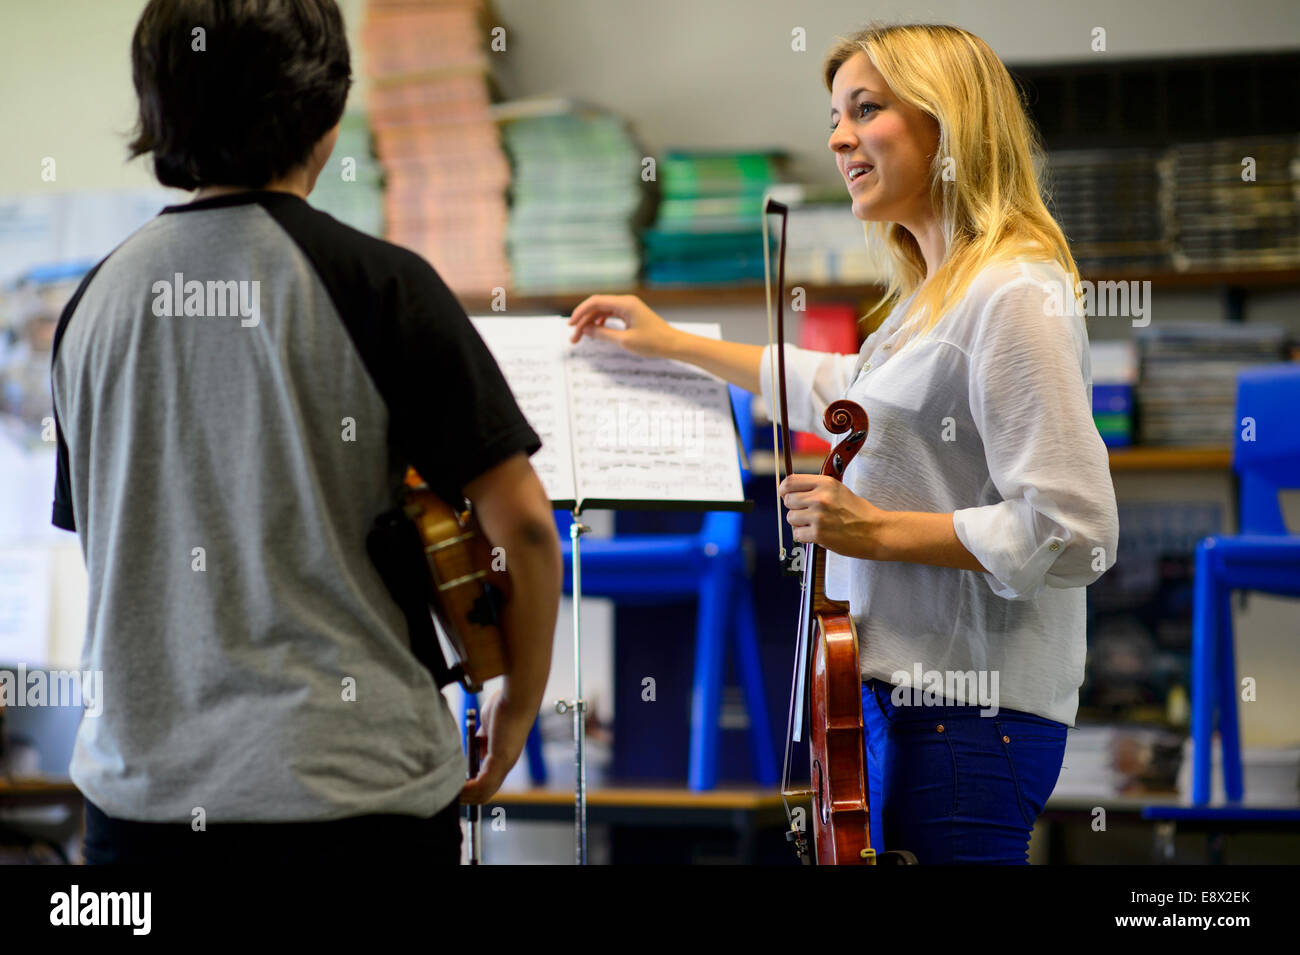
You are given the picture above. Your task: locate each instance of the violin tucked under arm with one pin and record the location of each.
(435, 559)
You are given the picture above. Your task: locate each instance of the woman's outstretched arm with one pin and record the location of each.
(645, 333)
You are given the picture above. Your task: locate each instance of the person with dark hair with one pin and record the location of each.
(239, 389)
(237, 93)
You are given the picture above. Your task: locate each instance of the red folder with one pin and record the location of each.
(828, 328)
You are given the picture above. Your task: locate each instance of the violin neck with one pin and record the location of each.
(815, 589)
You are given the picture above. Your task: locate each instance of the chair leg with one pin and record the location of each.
(1204, 623)
(468, 701)
(706, 696)
(536, 764)
(1229, 728)
(749, 663)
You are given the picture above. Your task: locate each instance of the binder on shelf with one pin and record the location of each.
(826, 328)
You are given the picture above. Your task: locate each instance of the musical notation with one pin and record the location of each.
(616, 426)
(532, 359)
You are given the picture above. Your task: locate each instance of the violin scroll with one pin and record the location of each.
(840, 417)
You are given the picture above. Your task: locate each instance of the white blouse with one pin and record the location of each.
(989, 416)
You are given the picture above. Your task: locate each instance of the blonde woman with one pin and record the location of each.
(964, 534)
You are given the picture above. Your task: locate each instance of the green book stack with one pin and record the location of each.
(709, 224)
(350, 187)
(575, 192)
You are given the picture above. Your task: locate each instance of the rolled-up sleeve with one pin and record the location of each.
(1057, 524)
(813, 380)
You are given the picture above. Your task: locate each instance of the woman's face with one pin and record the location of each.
(874, 130)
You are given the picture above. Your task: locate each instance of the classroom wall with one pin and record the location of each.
(700, 73)
(66, 93)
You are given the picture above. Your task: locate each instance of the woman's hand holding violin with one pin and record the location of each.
(822, 511)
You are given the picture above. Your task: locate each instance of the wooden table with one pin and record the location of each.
(748, 811)
(27, 792)
(38, 791)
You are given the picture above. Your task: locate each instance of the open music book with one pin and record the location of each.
(619, 430)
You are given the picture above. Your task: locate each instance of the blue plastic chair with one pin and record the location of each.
(710, 566)
(1262, 557)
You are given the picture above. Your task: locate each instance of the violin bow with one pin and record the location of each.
(780, 417)
(790, 560)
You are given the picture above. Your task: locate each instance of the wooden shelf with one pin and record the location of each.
(1170, 459)
(646, 797)
(1121, 459)
(37, 791)
(694, 296)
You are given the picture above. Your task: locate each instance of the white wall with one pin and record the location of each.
(698, 73)
(66, 93)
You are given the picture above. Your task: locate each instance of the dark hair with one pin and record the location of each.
(247, 103)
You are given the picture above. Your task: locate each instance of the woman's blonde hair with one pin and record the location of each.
(991, 200)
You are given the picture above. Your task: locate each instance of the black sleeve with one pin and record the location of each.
(62, 516)
(451, 413)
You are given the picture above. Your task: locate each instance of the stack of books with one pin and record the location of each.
(825, 243)
(709, 226)
(1114, 374)
(1089, 766)
(576, 195)
(1187, 388)
(1108, 203)
(436, 139)
(1140, 613)
(1223, 220)
(351, 187)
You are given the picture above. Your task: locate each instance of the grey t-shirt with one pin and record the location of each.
(239, 388)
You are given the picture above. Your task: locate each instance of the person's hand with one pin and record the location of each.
(644, 332)
(506, 729)
(822, 511)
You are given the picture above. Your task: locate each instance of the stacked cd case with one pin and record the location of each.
(1234, 203)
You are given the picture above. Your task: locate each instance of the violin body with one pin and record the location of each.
(841, 821)
(466, 593)
(837, 762)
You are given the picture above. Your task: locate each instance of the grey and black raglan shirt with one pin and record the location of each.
(239, 388)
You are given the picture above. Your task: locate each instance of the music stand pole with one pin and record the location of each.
(576, 530)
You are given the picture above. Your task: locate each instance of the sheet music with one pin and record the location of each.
(650, 429)
(531, 355)
(638, 429)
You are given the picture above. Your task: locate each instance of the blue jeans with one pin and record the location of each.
(954, 787)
